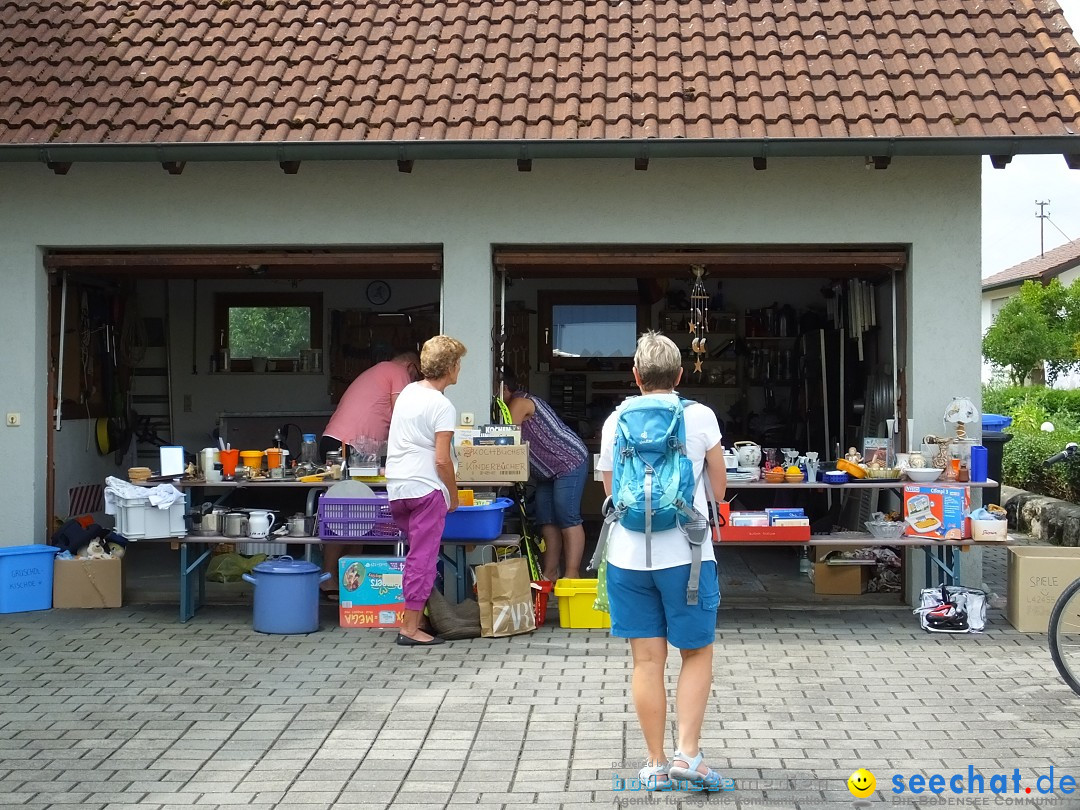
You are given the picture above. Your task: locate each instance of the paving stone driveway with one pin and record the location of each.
(127, 707)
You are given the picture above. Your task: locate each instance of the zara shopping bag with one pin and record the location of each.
(505, 596)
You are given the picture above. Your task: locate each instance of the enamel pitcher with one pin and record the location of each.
(260, 522)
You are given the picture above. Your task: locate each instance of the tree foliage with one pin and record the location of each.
(269, 331)
(1040, 324)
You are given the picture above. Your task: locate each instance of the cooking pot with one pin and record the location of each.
(213, 522)
(748, 454)
(286, 595)
(236, 524)
(301, 525)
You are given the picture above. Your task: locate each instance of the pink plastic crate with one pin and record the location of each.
(357, 518)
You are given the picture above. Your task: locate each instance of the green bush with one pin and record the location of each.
(1022, 458)
(1005, 400)
(1022, 464)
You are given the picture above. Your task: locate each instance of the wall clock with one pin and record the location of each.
(378, 292)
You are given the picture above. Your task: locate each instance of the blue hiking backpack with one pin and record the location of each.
(652, 480)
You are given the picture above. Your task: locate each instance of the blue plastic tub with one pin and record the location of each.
(995, 422)
(26, 578)
(476, 522)
(286, 595)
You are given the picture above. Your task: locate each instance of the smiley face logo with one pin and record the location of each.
(861, 783)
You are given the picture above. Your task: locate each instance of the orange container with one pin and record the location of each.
(228, 461)
(273, 458)
(252, 459)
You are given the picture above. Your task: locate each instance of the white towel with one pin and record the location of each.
(162, 496)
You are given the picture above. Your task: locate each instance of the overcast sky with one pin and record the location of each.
(1010, 230)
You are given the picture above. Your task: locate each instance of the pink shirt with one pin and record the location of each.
(365, 407)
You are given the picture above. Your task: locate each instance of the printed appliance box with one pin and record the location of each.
(493, 463)
(937, 512)
(1037, 576)
(369, 591)
(88, 583)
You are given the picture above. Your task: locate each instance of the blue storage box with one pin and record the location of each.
(476, 522)
(995, 422)
(26, 578)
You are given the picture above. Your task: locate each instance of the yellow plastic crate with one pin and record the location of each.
(576, 597)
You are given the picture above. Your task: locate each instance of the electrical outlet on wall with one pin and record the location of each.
(467, 419)
(14, 419)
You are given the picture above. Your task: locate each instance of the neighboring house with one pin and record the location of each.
(1062, 263)
(181, 152)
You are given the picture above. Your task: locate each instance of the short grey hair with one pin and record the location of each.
(658, 361)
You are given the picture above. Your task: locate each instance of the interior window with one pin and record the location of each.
(279, 327)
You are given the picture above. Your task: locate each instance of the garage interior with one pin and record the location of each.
(143, 354)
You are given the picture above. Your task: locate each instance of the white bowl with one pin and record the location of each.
(923, 475)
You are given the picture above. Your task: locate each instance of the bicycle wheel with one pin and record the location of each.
(1064, 634)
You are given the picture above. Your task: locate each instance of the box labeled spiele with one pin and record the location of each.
(370, 591)
(936, 512)
(1037, 576)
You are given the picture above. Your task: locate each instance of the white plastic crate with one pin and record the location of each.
(252, 547)
(137, 519)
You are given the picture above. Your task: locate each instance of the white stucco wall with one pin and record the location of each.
(931, 204)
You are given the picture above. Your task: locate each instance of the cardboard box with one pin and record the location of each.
(370, 591)
(88, 583)
(840, 579)
(937, 512)
(495, 463)
(1037, 576)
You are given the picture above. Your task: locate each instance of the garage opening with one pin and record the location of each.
(170, 347)
(803, 352)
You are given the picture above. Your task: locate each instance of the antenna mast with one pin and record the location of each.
(1042, 216)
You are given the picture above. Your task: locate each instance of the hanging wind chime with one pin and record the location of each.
(699, 318)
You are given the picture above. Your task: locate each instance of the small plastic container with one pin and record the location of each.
(576, 597)
(541, 591)
(476, 522)
(835, 477)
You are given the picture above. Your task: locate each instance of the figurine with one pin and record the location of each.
(853, 455)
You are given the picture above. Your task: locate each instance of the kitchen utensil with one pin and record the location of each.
(300, 525)
(923, 475)
(236, 524)
(885, 529)
(748, 454)
(260, 521)
(229, 460)
(252, 459)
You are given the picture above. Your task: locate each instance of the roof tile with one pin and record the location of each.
(93, 71)
(1051, 264)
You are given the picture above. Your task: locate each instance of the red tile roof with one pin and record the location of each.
(140, 71)
(1050, 264)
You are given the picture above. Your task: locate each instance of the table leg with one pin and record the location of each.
(192, 576)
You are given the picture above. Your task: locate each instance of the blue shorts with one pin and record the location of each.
(652, 604)
(558, 501)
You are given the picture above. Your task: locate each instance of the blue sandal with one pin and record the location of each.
(691, 777)
(655, 777)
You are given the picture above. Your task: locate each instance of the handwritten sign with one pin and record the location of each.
(493, 463)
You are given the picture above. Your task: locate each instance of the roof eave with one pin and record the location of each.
(282, 151)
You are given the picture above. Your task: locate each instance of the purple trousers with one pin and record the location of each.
(423, 520)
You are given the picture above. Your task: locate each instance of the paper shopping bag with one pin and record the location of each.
(505, 596)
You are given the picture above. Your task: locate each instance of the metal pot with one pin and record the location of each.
(236, 524)
(213, 522)
(301, 525)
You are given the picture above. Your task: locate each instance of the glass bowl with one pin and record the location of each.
(885, 529)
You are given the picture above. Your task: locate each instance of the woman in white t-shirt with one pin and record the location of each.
(420, 475)
(648, 601)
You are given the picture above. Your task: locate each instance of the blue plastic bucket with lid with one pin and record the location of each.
(286, 596)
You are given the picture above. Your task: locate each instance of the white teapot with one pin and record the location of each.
(748, 453)
(260, 522)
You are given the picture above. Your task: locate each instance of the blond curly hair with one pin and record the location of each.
(439, 355)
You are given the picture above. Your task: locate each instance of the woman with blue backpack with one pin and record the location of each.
(656, 452)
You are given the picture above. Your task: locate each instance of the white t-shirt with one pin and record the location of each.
(625, 548)
(419, 414)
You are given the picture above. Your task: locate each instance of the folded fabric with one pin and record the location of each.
(162, 496)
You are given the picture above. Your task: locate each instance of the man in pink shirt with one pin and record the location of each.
(366, 405)
(364, 411)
